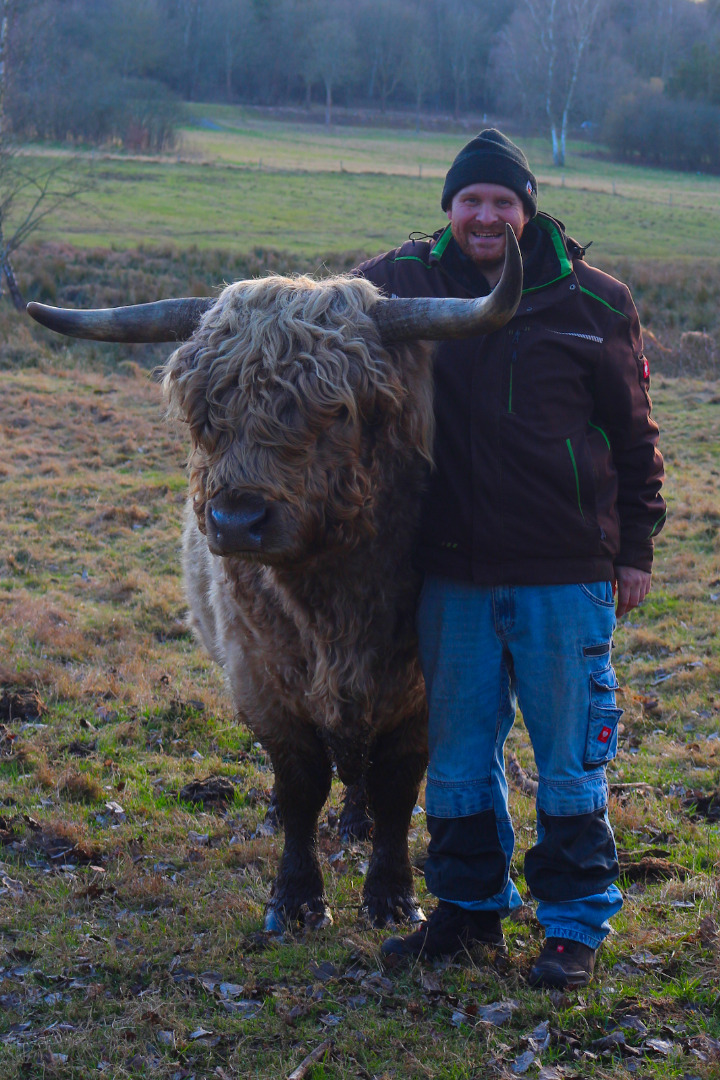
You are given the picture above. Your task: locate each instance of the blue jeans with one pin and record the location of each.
(483, 650)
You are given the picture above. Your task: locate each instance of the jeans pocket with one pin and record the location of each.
(600, 592)
(602, 736)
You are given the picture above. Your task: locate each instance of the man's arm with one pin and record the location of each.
(623, 410)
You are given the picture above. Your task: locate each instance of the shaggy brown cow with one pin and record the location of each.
(310, 440)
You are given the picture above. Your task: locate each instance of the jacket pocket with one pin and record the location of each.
(583, 481)
(602, 736)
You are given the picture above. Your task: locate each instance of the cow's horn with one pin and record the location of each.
(164, 320)
(434, 318)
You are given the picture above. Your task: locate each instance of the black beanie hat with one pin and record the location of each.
(491, 158)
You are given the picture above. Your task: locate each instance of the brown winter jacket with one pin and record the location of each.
(546, 462)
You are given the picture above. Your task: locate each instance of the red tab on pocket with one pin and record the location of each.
(605, 734)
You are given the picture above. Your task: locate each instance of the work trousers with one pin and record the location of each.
(484, 650)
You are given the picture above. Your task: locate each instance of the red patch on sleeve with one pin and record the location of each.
(646, 368)
(605, 734)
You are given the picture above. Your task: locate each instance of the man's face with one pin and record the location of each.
(478, 215)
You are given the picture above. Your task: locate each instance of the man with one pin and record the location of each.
(543, 502)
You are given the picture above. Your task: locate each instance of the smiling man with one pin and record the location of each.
(543, 504)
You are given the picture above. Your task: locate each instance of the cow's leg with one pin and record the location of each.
(396, 768)
(355, 821)
(302, 784)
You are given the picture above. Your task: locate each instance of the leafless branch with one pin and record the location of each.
(312, 1059)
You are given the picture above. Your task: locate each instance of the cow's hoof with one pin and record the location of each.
(386, 911)
(313, 916)
(274, 922)
(316, 917)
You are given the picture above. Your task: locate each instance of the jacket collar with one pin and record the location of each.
(546, 251)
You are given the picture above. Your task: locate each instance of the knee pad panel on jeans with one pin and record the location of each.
(574, 857)
(465, 860)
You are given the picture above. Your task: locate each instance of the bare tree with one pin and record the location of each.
(29, 189)
(383, 31)
(563, 32)
(329, 54)
(6, 12)
(420, 67)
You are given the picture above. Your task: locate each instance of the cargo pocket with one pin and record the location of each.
(601, 743)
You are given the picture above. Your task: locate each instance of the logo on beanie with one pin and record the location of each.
(529, 187)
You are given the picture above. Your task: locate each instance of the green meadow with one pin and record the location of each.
(246, 182)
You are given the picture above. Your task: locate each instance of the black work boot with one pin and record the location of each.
(563, 964)
(449, 930)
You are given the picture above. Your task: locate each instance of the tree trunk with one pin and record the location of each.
(229, 64)
(13, 287)
(7, 271)
(373, 73)
(328, 103)
(563, 134)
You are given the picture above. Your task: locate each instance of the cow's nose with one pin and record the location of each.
(235, 523)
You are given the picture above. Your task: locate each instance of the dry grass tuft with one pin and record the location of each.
(80, 787)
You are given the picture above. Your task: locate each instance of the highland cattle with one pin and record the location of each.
(309, 410)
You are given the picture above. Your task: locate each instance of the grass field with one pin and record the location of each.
(130, 910)
(131, 916)
(249, 182)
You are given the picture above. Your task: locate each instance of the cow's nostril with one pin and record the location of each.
(236, 524)
(244, 518)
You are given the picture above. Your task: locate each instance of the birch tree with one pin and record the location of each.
(563, 31)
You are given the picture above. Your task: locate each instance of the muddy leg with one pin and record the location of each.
(393, 779)
(302, 784)
(355, 821)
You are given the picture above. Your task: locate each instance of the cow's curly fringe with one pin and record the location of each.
(282, 363)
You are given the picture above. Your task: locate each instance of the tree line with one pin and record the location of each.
(643, 76)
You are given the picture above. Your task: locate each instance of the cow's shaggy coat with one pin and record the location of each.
(310, 441)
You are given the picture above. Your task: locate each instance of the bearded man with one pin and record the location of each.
(542, 507)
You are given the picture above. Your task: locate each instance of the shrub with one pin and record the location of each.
(657, 130)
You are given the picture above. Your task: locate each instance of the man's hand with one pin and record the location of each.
(633, 585)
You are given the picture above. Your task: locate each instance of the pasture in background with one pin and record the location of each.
(131, 894)
(239, 180)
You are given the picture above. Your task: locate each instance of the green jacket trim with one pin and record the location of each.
(411, 258)
(536, 288)
(601, 301)
(549, 226)
(598, 428)
(566, 267)
(658, 523)
(577, 476)
(442, 242)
